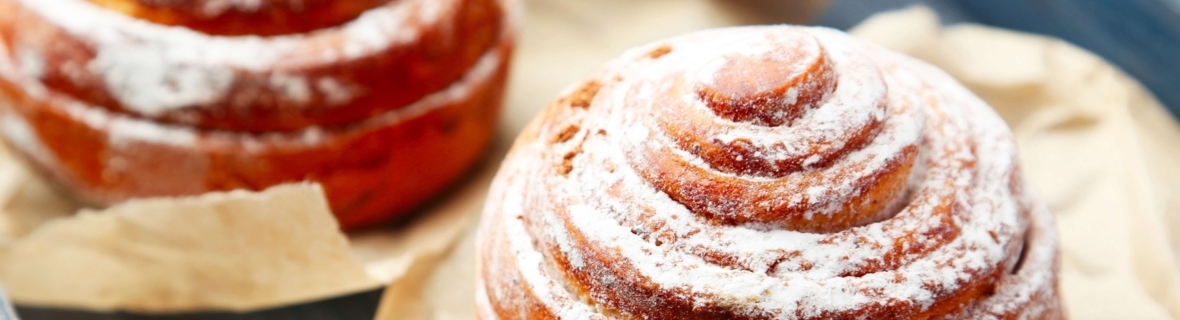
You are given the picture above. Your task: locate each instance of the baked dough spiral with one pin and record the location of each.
(386, 58)
(384, 107)
(766, 173)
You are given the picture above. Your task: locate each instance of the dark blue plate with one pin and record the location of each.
(357, 306)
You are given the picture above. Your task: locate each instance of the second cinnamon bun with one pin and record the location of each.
(384, 105)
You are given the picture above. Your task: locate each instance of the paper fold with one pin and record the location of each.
(223, 251)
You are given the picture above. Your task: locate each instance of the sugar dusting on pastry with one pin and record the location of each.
(153, 69)
(854, 107)
(604, 238)
(124, 134)
(21, 135)
(292, 87)
(125, 130)
(214, 8)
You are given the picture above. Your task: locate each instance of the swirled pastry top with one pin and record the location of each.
(765, 172)
(389, 56)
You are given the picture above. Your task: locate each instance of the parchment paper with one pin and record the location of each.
(1100, 148)
(231, 251)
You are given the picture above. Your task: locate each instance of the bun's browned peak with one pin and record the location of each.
(765, 173)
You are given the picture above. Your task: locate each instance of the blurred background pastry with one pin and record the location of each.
(382, 102)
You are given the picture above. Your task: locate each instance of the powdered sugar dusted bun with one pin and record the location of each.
(385, 58)
(378, 168)
(762, 173)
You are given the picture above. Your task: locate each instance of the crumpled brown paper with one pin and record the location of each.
(191, 257)
(229, 251)
(1098, 146)
(240, 251)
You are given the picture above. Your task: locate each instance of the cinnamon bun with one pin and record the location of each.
(766, 173)
(384, 108)
(384, 59)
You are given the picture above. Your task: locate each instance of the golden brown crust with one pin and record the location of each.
(865, 185)
(372, 171)
(391, 56)
(252, 17)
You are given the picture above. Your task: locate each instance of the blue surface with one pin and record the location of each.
(355, 306)
(1140, 36)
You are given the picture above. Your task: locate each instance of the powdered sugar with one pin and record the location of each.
(856, 104)
(125, 135)
(636, 249)
(143, 78)
(123, 130)
(213, 8)
(31, 62)
(822, 130)
(154, 68)
(292, 87)
(18, 132)
(336, 92)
